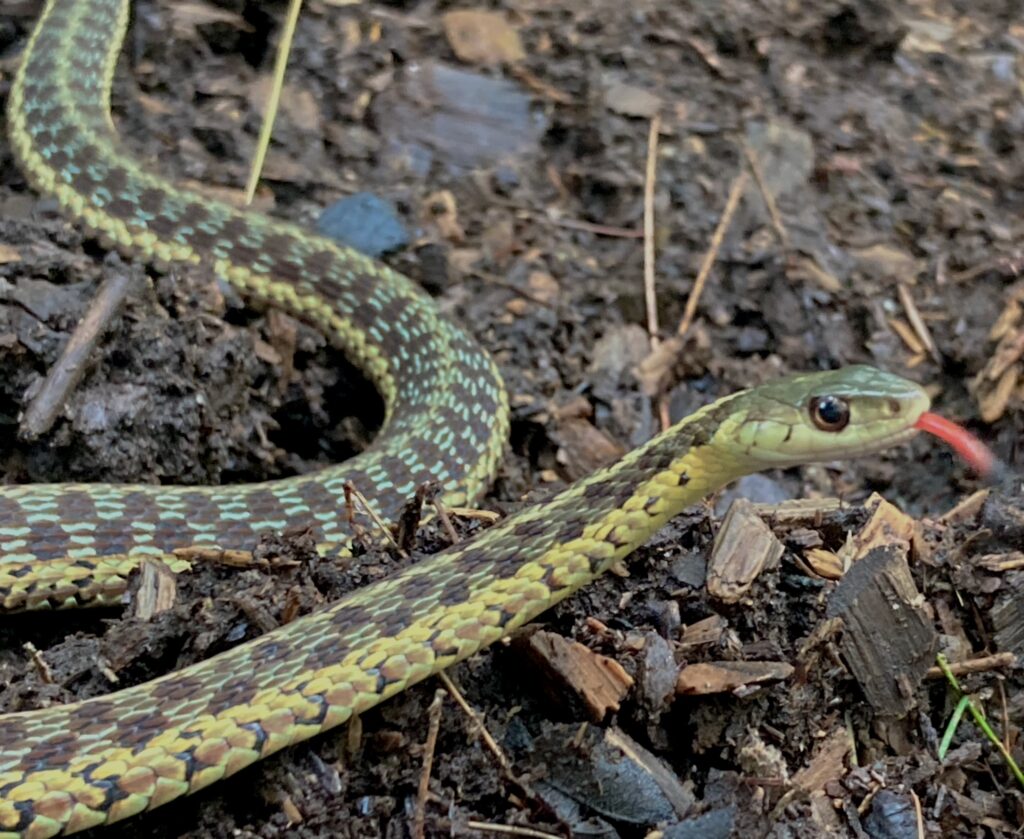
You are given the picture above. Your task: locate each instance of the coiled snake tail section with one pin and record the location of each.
(446, 407)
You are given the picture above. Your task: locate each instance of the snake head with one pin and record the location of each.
(825, 416)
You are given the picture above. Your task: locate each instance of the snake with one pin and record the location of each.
(76, 766)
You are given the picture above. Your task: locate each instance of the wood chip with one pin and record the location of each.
(1008, 320)
(982, 664)
(299, 107)
(823, 815)
(1007, 617)
(632, 101)
(967, 510)
(996, 385)
(667, 781)
(703, 632)
(542, 286)
(743, 548)
(827, 764)
(42, 668)
(158, 589)
(654, 372)
(994, 402)
(888, 525)
(186, 17)
(888, 262)
(291, 811)
(283, 332)
(599, 683)
(824, 563)
(582, 447)
(807, 268)
(1000, 563)
(482, 37)
(608, 773)
(457, 118)
(1008, 353)
(440, 209)
(888, 641)
(799, 511)
(727, 676)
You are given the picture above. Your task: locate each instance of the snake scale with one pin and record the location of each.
(69, 768)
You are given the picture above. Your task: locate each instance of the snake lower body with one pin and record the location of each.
(73, 767)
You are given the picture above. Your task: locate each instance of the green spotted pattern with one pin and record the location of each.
(446, 408)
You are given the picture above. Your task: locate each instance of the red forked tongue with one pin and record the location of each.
(969, 447)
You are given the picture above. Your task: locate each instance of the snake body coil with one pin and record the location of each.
(68, 768)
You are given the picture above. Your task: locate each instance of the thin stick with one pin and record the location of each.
(68, 370)
(351, 491)
(230, 557)
(599, 229)
(446, 521)
(738, 185)
(650, 294)
(649, 182)
(973, 665)
(473, 513)
(280, 65)
(917, 322)
(511, 830)
(420, 817)
(919, 816)
(766, 194)
(42, 668)
(485, 735)
(1005, 714)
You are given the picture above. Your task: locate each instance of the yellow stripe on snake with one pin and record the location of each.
(68, 768)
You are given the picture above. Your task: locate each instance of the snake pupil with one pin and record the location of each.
(830, 413)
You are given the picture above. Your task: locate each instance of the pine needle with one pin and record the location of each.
(267, 128)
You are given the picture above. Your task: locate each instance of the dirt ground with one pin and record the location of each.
(514, 149)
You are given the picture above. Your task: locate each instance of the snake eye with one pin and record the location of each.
(830, 413)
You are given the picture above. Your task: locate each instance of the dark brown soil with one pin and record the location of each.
(890, 136)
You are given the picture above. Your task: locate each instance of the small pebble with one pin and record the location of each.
(364, 222)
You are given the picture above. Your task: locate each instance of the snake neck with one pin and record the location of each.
(599, 520)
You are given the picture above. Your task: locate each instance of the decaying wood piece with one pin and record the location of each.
(610, 774)
(888, 641)
(729, 676)
(744, 547)
(999, 382)
(827, 764)
(703, 633)
(158, 589)
(599, 683)
(799, 511)
(888, 525)
(50, 397)
(1008, 615)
